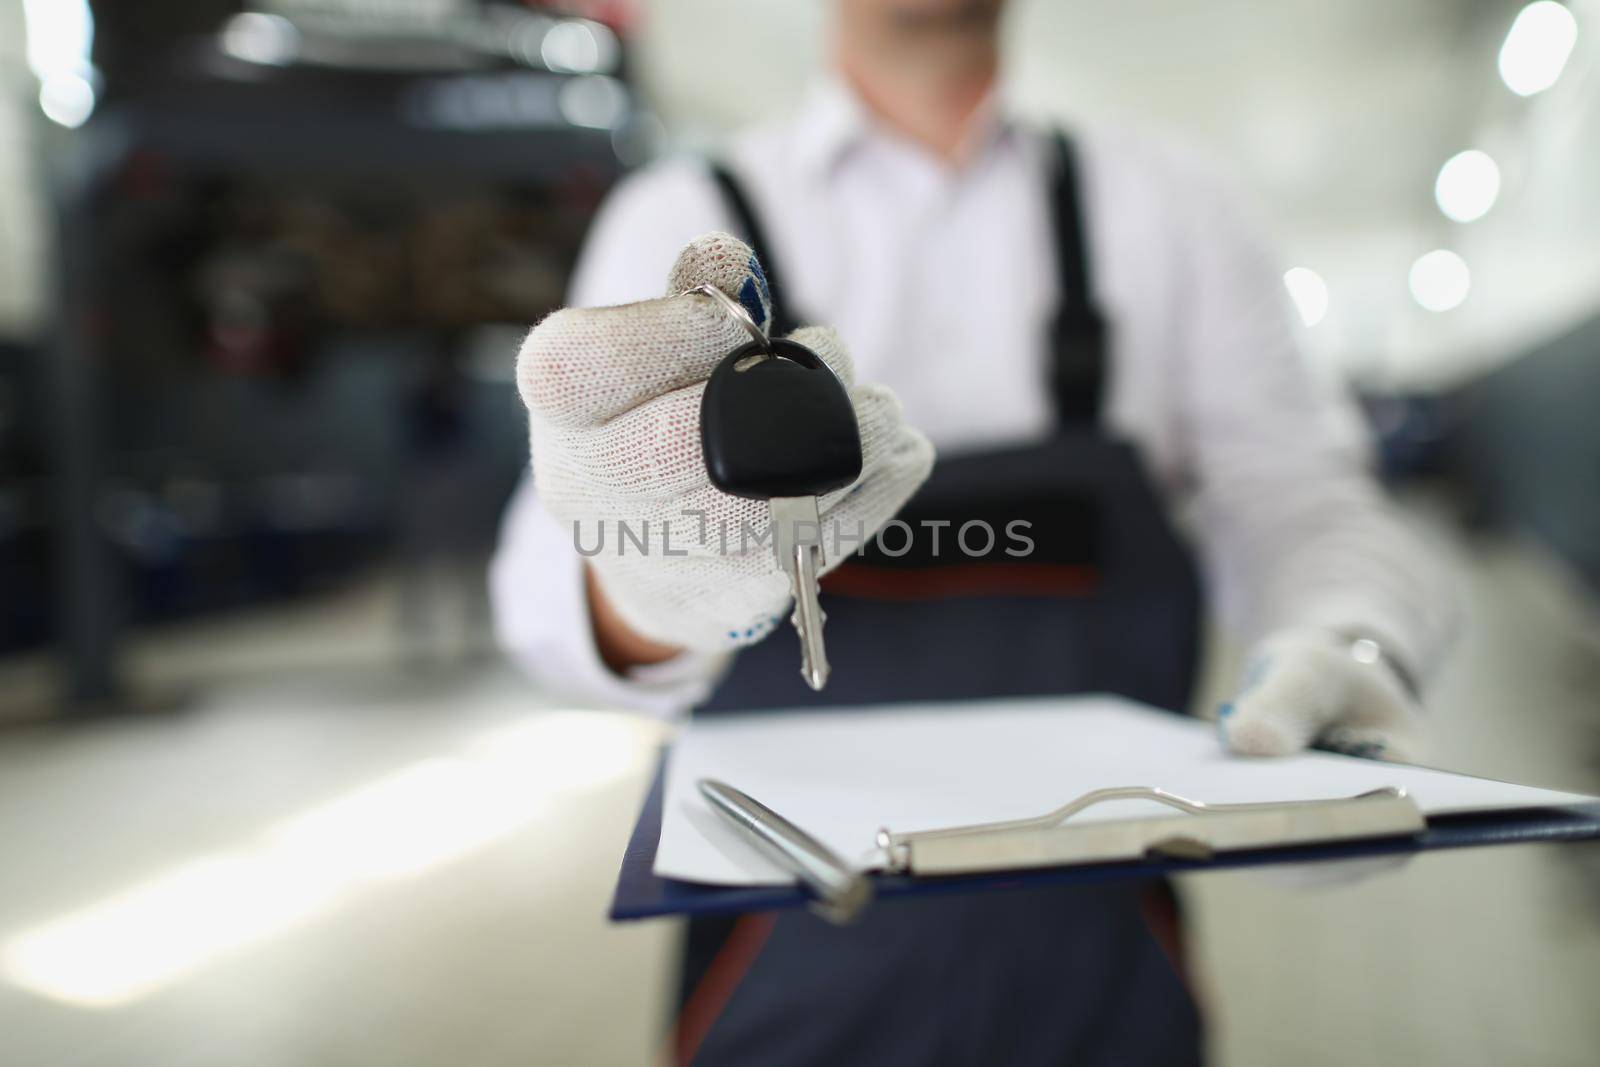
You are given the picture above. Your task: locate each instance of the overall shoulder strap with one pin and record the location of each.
(1078, 332)
(754, 234)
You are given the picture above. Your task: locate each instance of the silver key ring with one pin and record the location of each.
(737, 310)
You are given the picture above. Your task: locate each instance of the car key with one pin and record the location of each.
(777, 425)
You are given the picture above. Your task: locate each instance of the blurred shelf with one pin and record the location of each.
(221, 198)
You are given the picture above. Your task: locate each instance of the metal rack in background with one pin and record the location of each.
(267, 208)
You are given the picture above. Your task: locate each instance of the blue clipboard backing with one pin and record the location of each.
(642, 894)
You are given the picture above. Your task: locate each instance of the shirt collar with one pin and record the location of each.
(834, 120)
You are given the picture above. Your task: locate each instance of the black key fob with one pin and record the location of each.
(778, 425)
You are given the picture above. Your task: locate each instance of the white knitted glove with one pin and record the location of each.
(1304, 687)
(613, 397)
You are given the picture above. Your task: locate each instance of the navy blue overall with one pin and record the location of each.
(1107, 601)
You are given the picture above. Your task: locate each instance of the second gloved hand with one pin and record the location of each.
(613, 397)
(1305, 687)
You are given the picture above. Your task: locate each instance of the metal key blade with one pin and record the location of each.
(808, 616)
(797, 541)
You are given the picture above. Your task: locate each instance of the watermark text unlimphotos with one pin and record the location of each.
(975, 538)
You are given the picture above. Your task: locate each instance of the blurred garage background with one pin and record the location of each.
(268, 794)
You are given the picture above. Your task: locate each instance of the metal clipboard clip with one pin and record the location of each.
(1202, 831)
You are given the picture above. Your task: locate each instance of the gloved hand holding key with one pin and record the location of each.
(614, 397)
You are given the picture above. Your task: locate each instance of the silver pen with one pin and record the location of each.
(840, 890)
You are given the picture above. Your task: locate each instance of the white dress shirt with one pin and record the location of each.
(940, 279)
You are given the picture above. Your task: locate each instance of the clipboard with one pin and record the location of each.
(947, 864)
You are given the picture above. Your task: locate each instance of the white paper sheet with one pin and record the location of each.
(844, 774)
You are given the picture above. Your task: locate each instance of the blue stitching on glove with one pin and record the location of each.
(1223, 711)
(754, 294)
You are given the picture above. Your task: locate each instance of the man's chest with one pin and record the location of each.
(948, 300)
